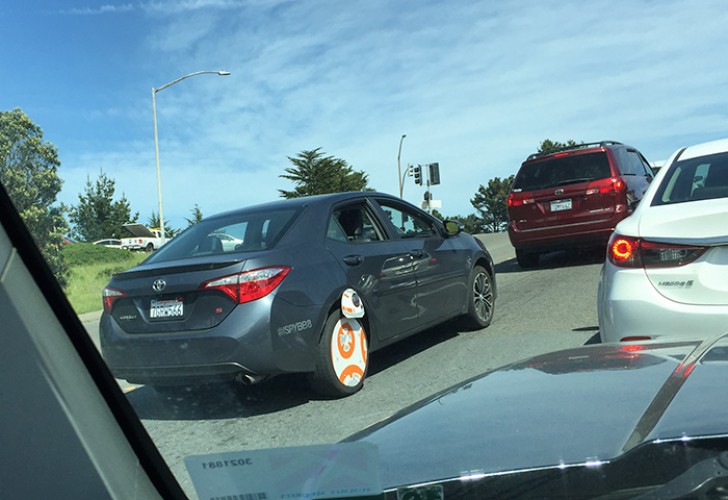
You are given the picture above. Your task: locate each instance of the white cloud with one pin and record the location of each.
(475, 87)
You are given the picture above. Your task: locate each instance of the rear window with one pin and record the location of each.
(561, 171)
(694, 179)
(235, 233)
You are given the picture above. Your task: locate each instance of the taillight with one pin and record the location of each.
(624, 251)
(250, 285)
(109, 296)
(605, 186)
(518, 199)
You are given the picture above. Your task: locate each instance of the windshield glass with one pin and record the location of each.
(247, 231)
(694, 179)
(242, 326)
(561, 171)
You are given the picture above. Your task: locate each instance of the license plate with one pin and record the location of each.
(166, 309)
(560, 205)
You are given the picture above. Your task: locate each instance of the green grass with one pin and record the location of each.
(91, 267)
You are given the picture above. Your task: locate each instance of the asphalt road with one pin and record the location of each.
(544, 309)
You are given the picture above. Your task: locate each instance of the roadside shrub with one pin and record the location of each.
(79, 254)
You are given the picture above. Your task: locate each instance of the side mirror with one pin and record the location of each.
(452, 227)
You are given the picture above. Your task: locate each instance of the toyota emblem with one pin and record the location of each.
(159, 285)
(558, 192)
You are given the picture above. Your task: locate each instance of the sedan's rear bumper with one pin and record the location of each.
(244, 344)
(628, 305)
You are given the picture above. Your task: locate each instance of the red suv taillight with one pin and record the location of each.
(604, 186)
(626, 251)
(109, 296)
(518, 199)
(250, 285)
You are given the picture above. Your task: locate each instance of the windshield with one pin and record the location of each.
(694, 179)
(257, 340)
(247, 231)
(561, 171)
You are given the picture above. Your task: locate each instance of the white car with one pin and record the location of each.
(109, 242)
(666, 271)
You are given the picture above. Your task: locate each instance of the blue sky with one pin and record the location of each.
(475, 86)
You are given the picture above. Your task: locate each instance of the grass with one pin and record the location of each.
(91, 267)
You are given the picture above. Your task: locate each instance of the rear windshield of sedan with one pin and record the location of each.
(562, 171)
(694, 179)
(234, 233)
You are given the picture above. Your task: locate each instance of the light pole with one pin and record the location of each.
(156, 139)
(399, 165)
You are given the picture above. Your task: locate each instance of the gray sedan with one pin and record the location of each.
(314, 286)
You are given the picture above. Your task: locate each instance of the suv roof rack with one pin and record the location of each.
(583, 145)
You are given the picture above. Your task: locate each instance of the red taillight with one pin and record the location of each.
(624, 251)
(518, 199)
(604, 186)
(109, 296)
(250, 285)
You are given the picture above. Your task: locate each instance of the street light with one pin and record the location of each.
(156, 139)
(399, 165)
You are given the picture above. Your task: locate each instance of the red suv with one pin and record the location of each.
(573, 197)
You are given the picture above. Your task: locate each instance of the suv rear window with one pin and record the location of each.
(561, 171)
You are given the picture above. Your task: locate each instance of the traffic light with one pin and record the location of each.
(434, 173)
(418, 174)
(410, 170)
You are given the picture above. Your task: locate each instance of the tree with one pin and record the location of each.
(153, 222)
(471, 223)
(29, 173)
(547, 145)
(97, 215)
(490, 202)
(196, 216)
(315, 173)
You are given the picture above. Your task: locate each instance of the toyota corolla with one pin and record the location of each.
(314, 285)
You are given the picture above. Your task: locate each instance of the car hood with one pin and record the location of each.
(573, 407)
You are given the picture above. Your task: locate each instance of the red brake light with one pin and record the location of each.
(604, 186)
(518, 199)
(250, 285)
(624, 251)
(109, 296)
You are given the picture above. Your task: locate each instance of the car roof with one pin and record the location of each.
(295, 203)
(705, 149)
(574, 148)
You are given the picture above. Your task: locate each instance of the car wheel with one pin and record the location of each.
(149, 247)
(526, 259)
(481, 301)
(342, 358)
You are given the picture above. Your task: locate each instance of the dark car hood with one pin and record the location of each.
(572, 407)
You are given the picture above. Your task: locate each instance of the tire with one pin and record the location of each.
(342, 359)
(526, 259)
(481, 301)
(149, 247)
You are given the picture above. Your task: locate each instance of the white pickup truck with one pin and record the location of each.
(144, 238)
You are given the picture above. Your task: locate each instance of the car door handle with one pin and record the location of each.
(353, 260)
